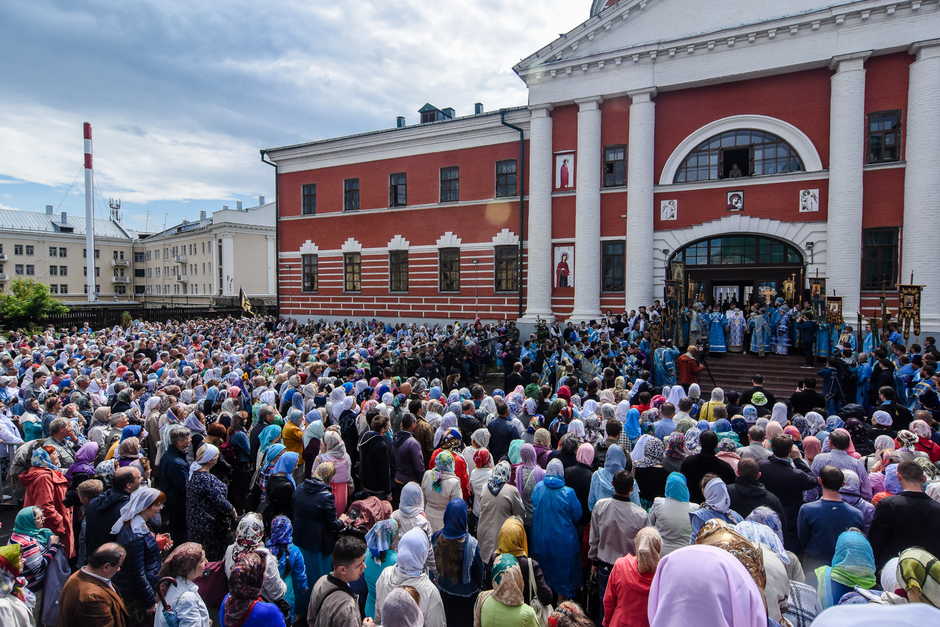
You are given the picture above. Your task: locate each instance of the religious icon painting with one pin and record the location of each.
(809, 200)
(564, 266)
(669, 210)
(564, 170)
(834, 310)
(736, 200)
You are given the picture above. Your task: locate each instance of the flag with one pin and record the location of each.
(245, 303)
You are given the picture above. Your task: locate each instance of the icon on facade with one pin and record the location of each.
(564, 170)
(736, 200)
(564, 262)
(809, 200)
(669, 210)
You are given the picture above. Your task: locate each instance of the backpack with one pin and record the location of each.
(229, 453)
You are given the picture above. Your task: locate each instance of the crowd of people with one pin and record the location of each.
(242, 471)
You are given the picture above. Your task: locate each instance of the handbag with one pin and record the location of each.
(169, 614)
(213, 584)
(542, 612)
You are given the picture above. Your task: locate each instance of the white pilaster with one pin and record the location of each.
(540, 272)
(638, 284)
(271, 256)
(587, 232)
(846, 158)
(921, 179)
(228, 264)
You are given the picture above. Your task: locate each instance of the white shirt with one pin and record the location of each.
(189, 607)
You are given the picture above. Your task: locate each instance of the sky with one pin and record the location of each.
(183, 95)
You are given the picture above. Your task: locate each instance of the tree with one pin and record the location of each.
(27, 303)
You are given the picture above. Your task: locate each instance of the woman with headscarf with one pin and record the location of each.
(292, 434)
(628, 589)
(670, 514)
(459, 564)
(513, 540)
(379, 541)
(440, 486)
(244, 606)
(453, 442)
(279, 490)
(139, 572)
(479, 478)
(479, 440)
(38, 546)
(527, 477)
(707, 411)
(186, 563)
(851, 493)
(499, 501)
(128, 452)
(542, 443)
(313, 436)
(853, 564)
(675, 452)
(717, 505)
(555, 543)
(578, 477)
(316, 525)
(924, 444)
(918, 573)
(249, 538)
(46, 487)
(505, 604)
(602, 485)
(649, 472)
(207, 505)
(333, 450)
(768, 522)
(401, 610)
(240, 477)
(290, 564)
(410, 570)
(410, 514)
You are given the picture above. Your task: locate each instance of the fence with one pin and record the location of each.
(101, 317)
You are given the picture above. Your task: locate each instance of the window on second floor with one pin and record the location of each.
(53, 251)
(350, 194)
(612, 259)
(309, 273)
(352, 272)
(310, 200)
(737, 154)
(63, 252)
(17, 249)
(615, 166)
(505, 178)
(506, 258)
(884, 136)
(449, 270)
(879, 258)
(397, 190)
(398, 271)
(53, 270)
(450, 184)
(30, 250)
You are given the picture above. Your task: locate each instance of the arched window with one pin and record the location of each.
(736, 154)
(738, 250)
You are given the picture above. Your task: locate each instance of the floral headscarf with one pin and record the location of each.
(920, 428)
(452, 440)
(282, 535)
(482, 458)
(684, 425)
(381, 537)
(834, 422)
(244, 584)
(41, 459)
(907, 439)
(802, 425)
(249, 535)
(653, 454)
(675, 445)
(507, 580)
(499, 477)
(10, 580)
(443, 464)
(692, 445)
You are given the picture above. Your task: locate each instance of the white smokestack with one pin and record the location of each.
(89, 216)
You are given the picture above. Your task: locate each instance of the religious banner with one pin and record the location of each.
(834, 310)
(789, 289)
(817, 296)
(672, 291)
(677, 272)
(909, 308)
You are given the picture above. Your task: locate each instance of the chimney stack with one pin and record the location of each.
(224, 207)
(202, 215)
(477, 108)
(260, 200)
(238, 205)
(400, 121)
(65, 217)
(48, 210)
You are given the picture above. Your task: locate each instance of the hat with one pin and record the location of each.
(758, 399)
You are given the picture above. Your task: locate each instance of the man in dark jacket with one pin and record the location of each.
(408, 457)
(315, 522)
(908, 519)
(375, 463)
(747, 493)
(806, 398)
(758, 386)
(104, 510)
(808, 329)
(697, 466)
(467, 423)
(174, 473)
(786, 479)
(501, 432)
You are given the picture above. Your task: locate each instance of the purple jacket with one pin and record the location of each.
(409, 460)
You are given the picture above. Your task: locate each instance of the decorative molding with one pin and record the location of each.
(309, 248)
(398, 243)
(506, 238)
(784, 130)
(351, 246)
(448, 240)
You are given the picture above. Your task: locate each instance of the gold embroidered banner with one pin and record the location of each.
(909, 309)
(834, 310)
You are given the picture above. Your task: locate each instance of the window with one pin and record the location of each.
(310, 199)
(30, 250)
(397, 190)
(85, 271)
(138, 257)
(149, 273)
(139, 273)
(120, 289)
(85, 253)
(753, 152)
(158, 272)
(97, 289)
(884, 136)
(30, 270)
(140, 289)
(203, 248)
(879, 258)
(615, 166)
(612, 261)
(739, 250)
(309, 272)
(156, 253)
(351, 194)
(63, 252)
(449, 270)
(505, 178)
(398, 271)
(63, 270)
(17, 249)
(506, 268)
(53, 270)
(18, 268)
(450, 184)
(352, 272)
(53, 289)
(63, 288)
(53, 251)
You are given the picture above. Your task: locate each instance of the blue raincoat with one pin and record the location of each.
(555, 542)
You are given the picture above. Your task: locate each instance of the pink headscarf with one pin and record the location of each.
(585, 454)
(811, 447)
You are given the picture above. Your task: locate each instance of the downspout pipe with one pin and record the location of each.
(521, 179)
(277, 230)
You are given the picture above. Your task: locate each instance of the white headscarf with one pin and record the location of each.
(207, 456)
(622, 410)
(140, 500)
(779, 414)
(676, 394)
(716, 496)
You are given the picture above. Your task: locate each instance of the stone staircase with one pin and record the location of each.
(733, 371)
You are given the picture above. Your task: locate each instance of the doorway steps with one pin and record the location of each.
(733, 371)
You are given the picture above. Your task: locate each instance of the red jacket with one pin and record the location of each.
(687, 369)
(627, 596)
(46, 488)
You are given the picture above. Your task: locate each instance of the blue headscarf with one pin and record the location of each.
(602, 486)
(455, 520)
(297, 401)
(435, 393)
(270, 433)
(676, 487)
(282, 535)
(632, 423)
(130, 431)
(722, 426)
(273, 451)
(286, 463)
(212, 394)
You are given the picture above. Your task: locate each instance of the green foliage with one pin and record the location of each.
(27, 303)
(126, 319)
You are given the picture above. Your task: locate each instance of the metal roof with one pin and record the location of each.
(11, 219)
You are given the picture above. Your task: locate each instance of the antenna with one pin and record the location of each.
(115, 209)
(147, 224)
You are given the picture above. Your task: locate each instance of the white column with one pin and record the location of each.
(539, 260)
(271, 266)
(228, 264)
(921, 179)
(587, 231)
(846, 158)
(638, 285)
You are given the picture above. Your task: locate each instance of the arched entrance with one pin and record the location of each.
(738, 267)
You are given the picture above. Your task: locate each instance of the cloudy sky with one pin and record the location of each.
(182, 95)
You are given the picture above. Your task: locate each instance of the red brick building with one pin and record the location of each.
(752, 142)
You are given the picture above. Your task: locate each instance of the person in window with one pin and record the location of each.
(735, 172)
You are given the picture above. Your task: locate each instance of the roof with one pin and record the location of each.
(11, 219)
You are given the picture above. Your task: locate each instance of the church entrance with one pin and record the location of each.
(744, 269)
